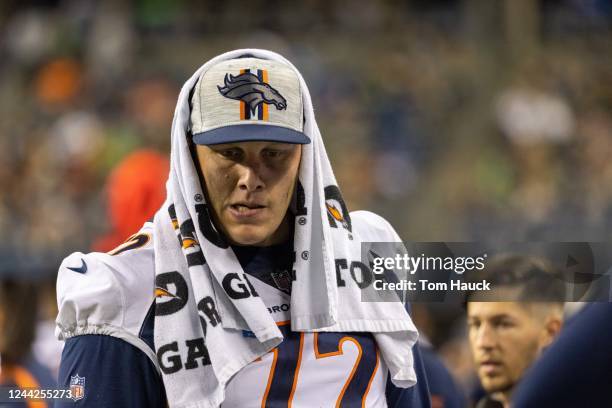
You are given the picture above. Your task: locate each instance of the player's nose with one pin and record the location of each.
(249, 178)
(485, 338)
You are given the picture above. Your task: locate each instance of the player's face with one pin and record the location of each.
(505, 339)
(249, 187)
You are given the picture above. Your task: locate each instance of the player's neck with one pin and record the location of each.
(504, 397)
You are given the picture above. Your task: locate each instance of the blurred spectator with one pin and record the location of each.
(29, 35)
(58, 83)
(18, 313)
(443, 390)
(150, 105)
(136, 190)
(46, 348)
(421, 105)
(529, 116)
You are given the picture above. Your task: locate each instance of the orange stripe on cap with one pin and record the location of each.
(242, 103)
(265, 106)
(242, 110)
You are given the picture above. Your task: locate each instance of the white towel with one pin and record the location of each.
(317, 304)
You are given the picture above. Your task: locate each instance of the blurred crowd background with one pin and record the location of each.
(455, 120)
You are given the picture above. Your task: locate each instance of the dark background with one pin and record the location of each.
(468, 120)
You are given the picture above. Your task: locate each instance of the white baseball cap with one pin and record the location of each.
(247, 99)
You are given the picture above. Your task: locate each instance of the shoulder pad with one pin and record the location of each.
(100, 293)
(371, 227)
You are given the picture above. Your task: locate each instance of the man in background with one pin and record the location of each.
(135, 190)
(18, 313)
(508, 331)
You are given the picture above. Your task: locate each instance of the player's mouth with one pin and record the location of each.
(245, 210)
(490, 367)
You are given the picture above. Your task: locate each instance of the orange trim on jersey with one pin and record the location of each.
(264, 400)
(340, 344)
(339, 353)
(273, 368)
(365, 395)
(131, 241)
(297, 371)
(265, 106)
(23, 379)
(332, 353)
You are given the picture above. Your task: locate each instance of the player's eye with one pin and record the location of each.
(232, 153)
(504, 324)
(272, 153)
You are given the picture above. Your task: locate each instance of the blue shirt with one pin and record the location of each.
(576, 370)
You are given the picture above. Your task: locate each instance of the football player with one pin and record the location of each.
(110, 303)
(508, 330)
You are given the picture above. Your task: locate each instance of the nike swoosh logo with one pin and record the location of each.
(81, 269)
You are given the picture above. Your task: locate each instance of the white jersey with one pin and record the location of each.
(326, 369)
(113, 294)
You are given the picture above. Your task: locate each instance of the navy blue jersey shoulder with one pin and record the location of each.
(575, 371)
(116, 373)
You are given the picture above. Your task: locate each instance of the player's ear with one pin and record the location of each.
(552, 328)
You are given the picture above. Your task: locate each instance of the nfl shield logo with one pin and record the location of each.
(282, 279)
(77, 387)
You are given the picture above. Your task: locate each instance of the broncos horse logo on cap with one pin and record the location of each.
(254, 92)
